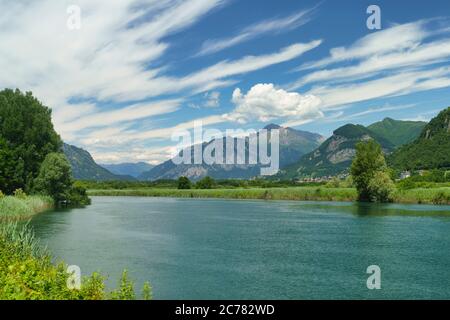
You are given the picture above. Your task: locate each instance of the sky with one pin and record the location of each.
(122, 76)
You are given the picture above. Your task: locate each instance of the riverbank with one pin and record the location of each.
(28, 273)
(23, 207)
(412, 196)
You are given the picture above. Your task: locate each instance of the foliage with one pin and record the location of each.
(27, 273)
(20, 194)
(78, 196)
(205, 183)
(430, 151)
(309, 193)
(147, 293)
(424, 179)
(369, 170)
(55, 177)
(184, 183)
(381, 187)
(26, 137)
(125, 290)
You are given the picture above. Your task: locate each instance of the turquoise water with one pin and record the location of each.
(228, 249)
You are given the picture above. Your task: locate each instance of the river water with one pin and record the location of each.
(232, 249)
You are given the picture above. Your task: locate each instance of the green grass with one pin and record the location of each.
(294, 193)
(27, 273)
(439, 196)
(18, 208)
(425, 196)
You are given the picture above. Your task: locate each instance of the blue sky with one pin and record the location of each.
(138, 70)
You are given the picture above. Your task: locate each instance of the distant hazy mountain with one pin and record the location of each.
(293, 144)
(128, 169)
(430, 150)
(335, 155)
(85, 168)
(398, 132)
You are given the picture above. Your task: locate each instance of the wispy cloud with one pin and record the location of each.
(399, 60)
(270, 26)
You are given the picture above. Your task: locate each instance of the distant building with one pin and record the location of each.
(405, 174)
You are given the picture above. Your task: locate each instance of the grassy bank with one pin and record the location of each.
(423, 196)
(24, 207)
(27, 272)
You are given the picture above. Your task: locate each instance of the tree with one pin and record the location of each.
(55, 177)
(205, 183)
(184, 183)
(370, 173)
(381, 187)
(26, 137)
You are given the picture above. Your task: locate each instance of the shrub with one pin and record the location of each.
(55, 177)
(333, 183)
(205, 183)
(27, 273)
(381, 187)
(184, 183)
(20, 194)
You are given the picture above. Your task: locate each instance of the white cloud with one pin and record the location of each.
(397, 38)
(225, 69)
(414, 57)
(263, 102)
(108, 59)
(276, 25)
(392, 85)
(396, 61)
(138, 154)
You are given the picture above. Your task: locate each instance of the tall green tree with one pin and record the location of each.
(26, 137)
(370, 173)
(55, 177)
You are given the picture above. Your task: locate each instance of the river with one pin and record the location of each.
(232, 249)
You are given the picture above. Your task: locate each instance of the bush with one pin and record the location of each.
(205, 183)
(55, 177)
(77, 195)
(27, 273)
(20, 194)
(184, 183)
(381, 187)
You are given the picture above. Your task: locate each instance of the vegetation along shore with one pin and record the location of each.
(36, 176)
(320, 193)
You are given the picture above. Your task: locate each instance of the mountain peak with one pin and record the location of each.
(272, 126)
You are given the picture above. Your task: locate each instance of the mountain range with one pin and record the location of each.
(128, 168)
(335, 155)
(407, 145)
(85, 168)
(293, 144)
